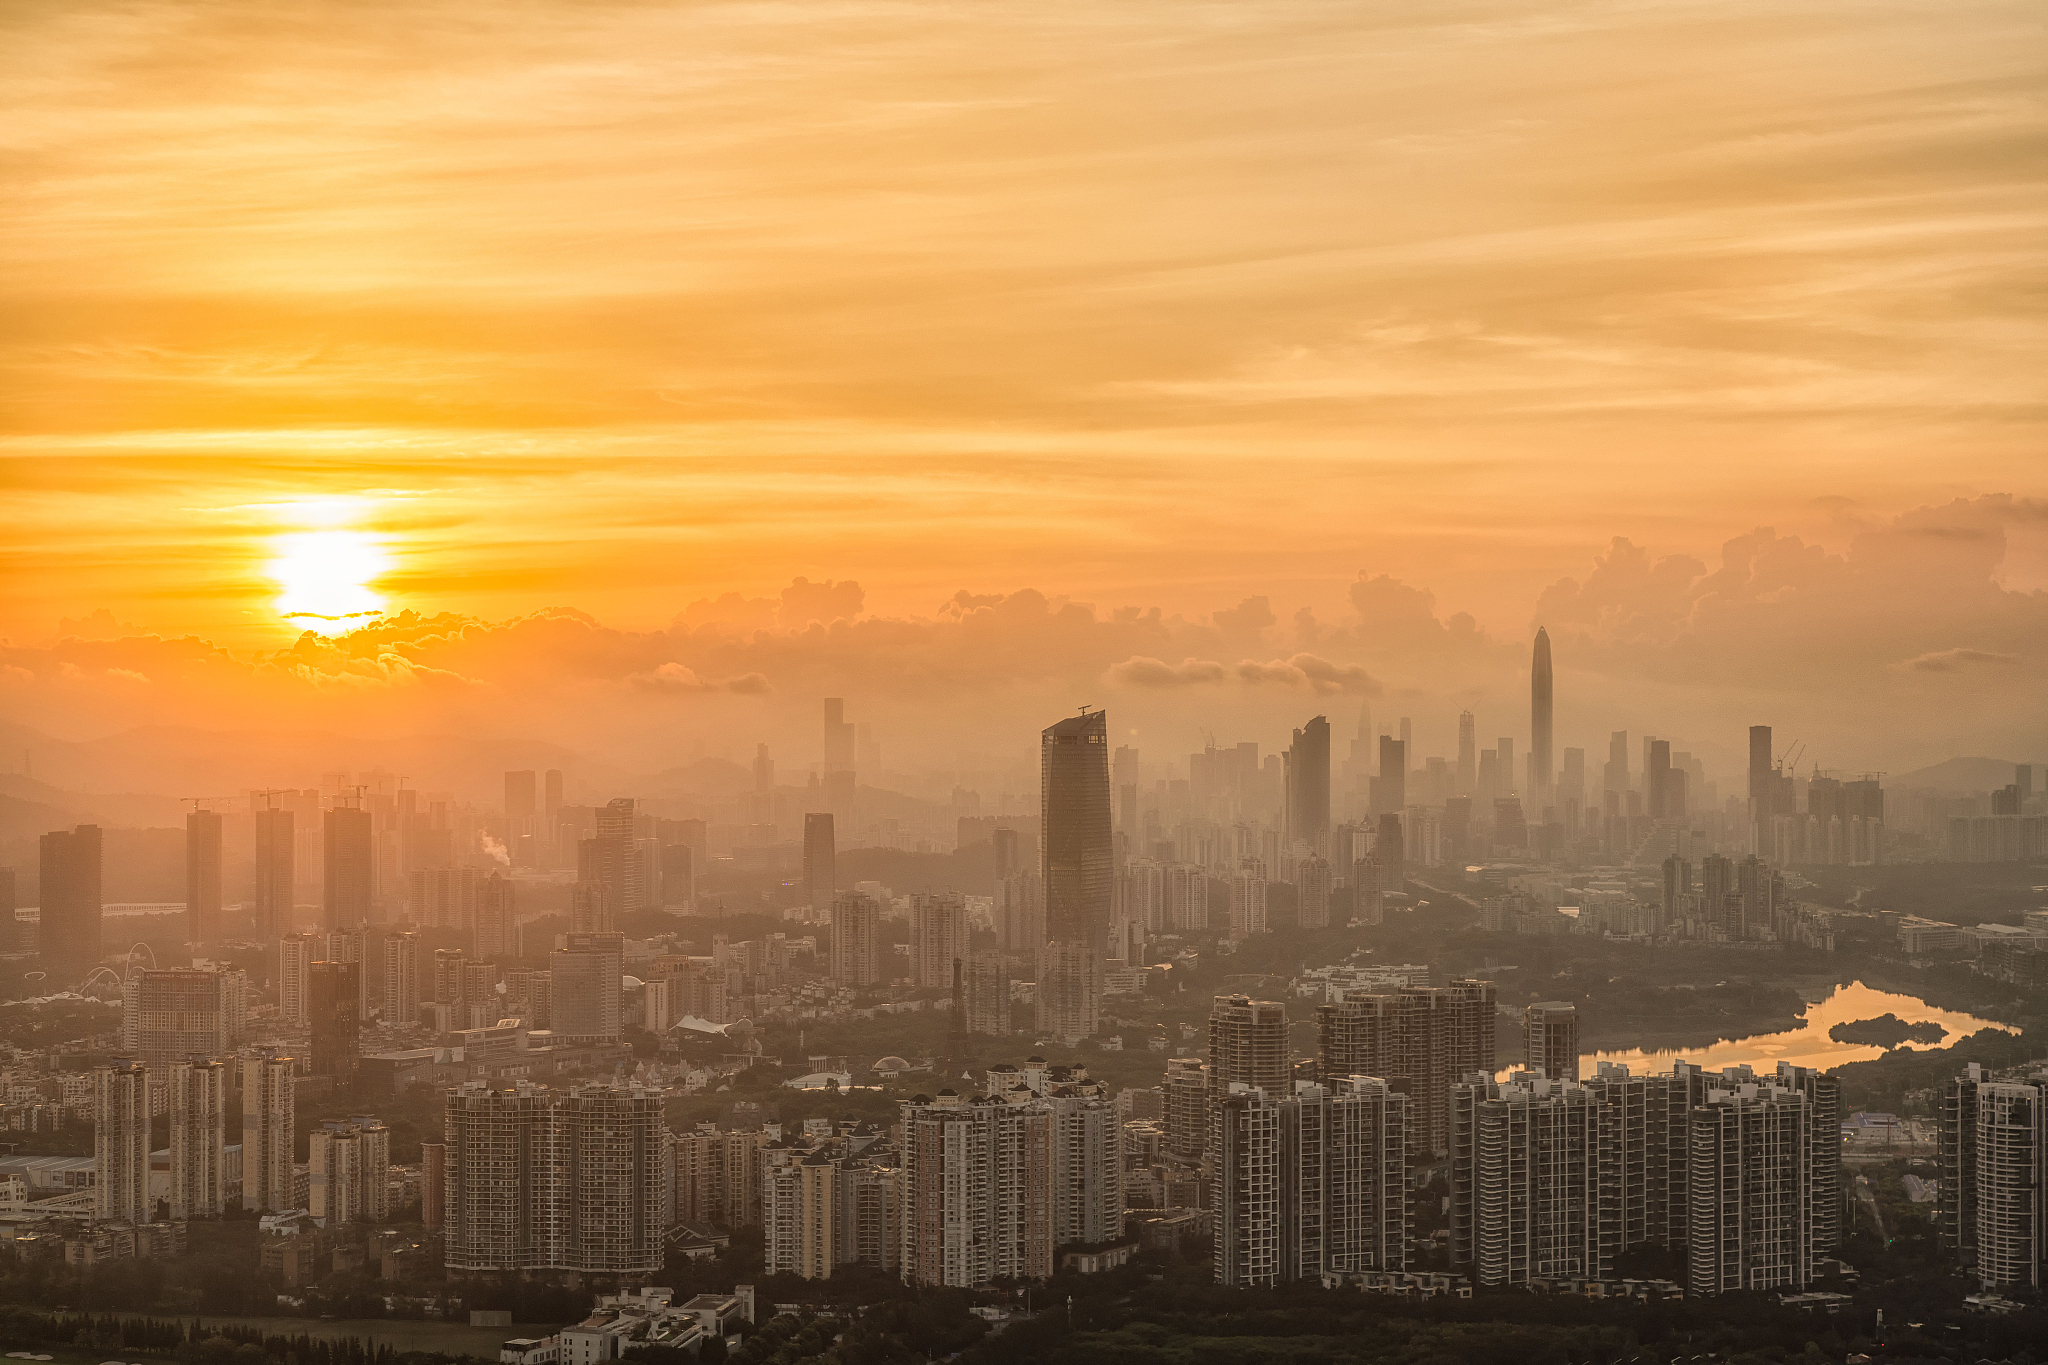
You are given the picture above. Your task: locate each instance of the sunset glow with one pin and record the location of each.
(647, 313)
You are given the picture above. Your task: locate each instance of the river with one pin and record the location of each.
(1809, 1046)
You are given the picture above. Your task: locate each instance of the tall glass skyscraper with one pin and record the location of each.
(1078, 872)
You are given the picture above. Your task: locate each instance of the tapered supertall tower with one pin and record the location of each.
(1541, 774)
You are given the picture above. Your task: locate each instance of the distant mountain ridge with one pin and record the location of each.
(1963, 776)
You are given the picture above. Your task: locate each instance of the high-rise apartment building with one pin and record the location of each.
(68, 935)
(1077, 868)
(1248, 1046)
(120, 1142)
(1184, 1100)
(198, 1104)
(938, 938)
(347, 867)
(334, 1001)
(1312, 893)
(276, 867)
(1420, 1039)
(986, 992)
(1994, 1178)
(1550, 1039)
(717, 1178)
(977, 1190)
(401, 978)
(1307, 777)
(821, 863)
(269, 1132)
(1751, 1216)
(177, 1012)
(445, 897)
(586, 977)
(679, 878)
(1368, 893)
(202, 876)
(800, 1216)
(496, 935)
(856, 954)
(1559, 1178)
(1314, 1182)
(537, 1179)
(349, 1171)
(1539, 1168)
(1247, 900)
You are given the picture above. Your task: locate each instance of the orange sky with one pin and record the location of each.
(620, 306)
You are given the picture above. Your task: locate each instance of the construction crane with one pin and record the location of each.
(1791, 755)
(199, 802)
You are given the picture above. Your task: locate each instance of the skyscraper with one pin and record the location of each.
(1550, 1039)
(69, 935)
(347, 867)
(1390, 787)
(1763, 783)
(821, 863)
(199, 1158)
(1541, 770)
(120, 1142)
(276, 912)
(838, 774)
(1077, 868)
(1614, 777)
(1657, 778)
(611, 859)
(334, 999)
(1468, 754)
(269, 1127)
(202, 876)
(1307, 769)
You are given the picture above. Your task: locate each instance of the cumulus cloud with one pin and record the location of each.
(1950, 660)
(1309, 671)
(1306, 671)
(1138, 671)
(675, 677)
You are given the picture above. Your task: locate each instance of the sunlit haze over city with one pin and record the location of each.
(781, 681)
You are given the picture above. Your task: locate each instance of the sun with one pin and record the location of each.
(326, 577)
